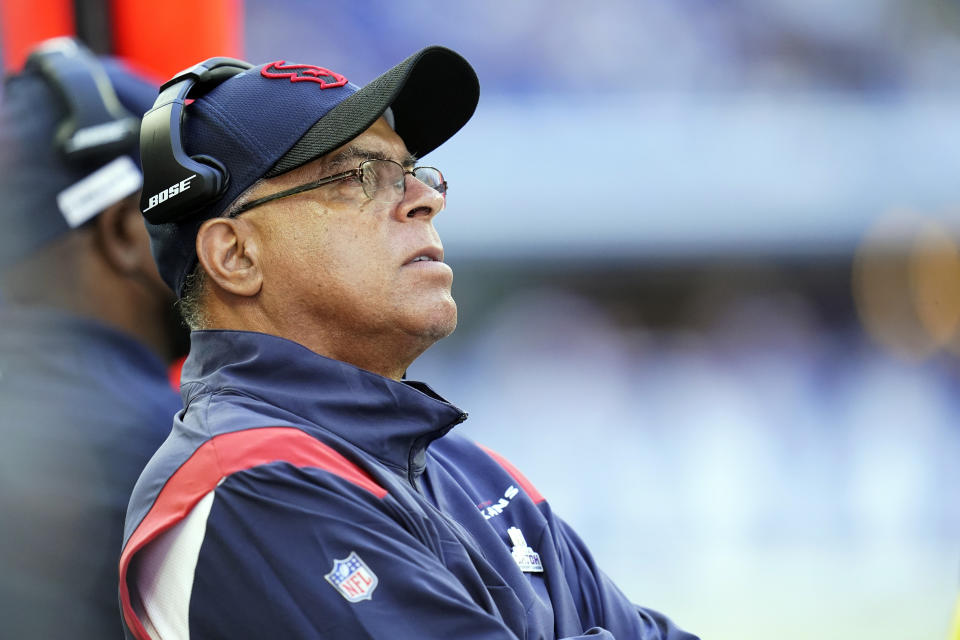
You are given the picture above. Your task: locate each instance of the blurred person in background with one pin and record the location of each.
(308, 490)
(87, 328)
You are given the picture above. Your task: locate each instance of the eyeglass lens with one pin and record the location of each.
(384, 180)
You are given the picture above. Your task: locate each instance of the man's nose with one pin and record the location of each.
(420, 200)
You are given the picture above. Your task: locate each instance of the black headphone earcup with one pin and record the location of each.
(178, 186)
(204, 180)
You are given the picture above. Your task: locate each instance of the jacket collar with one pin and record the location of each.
(393, 421)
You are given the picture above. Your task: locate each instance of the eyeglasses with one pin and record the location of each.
(382, 181)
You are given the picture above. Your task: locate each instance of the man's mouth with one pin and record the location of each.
(428, 254)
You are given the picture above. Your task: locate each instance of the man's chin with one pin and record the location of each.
(442, 332)
(439, 323)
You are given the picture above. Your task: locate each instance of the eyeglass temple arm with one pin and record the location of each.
(295, 190)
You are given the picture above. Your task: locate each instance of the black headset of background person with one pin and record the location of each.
(96, 127)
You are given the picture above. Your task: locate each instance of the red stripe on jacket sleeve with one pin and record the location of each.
(216, 459)
(521, 479)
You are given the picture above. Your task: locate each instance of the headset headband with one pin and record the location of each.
(96, 127)
(177, 185)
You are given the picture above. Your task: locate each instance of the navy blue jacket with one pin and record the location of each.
(301, 497)
(82, 409)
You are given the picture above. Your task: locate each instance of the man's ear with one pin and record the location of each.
(228, 251)
(122, 237)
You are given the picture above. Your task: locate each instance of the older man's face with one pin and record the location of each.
(351, 266)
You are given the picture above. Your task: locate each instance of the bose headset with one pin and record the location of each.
(168, 170)
(96, 127)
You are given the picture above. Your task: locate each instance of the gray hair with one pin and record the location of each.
(191, 303)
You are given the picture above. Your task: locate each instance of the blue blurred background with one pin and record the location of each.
(709, 287)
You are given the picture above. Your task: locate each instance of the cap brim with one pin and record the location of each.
(432, 94)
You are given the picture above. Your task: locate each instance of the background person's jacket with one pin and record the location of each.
(82, 408)
(301, 497)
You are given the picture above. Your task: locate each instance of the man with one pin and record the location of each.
(308, 491)
(84, 397)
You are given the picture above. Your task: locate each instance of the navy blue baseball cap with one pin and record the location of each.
(68, 143)
(269, 119)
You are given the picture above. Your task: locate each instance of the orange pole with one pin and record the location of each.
(163, 37)
(24, 24)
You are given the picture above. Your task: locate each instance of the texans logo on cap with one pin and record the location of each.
(304, 73)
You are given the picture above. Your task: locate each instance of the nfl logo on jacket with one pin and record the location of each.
(352, 578)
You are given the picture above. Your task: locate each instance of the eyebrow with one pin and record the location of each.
(355, 152)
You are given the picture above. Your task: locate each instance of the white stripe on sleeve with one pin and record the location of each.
(163, 579)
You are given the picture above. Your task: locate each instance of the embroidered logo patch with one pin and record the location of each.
(352, 578)
(304, 73)
(526, 558)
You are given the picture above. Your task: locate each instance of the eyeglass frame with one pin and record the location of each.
(337, 177)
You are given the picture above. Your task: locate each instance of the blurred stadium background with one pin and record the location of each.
(706, 256)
